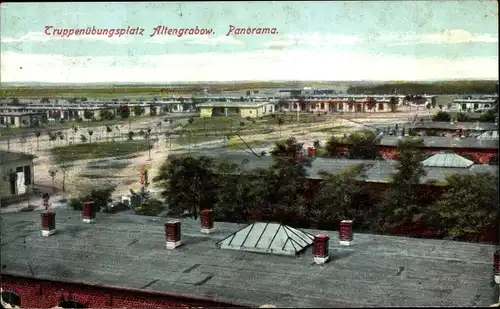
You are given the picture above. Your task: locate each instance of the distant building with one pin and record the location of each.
(20, 119)
(475, 105)
(16, 174)
(242, 109)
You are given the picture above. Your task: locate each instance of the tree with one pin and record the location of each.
(123, 111)
(83, 138)
(362, 144)
(37, 134)
(488, 116)
(90, 132)
(131, 135)
(399, 205)
(15, 102)
(467, 208)
(338, 197)
(462, 117)
(188, 184)
(442, 116)
(334, 146)
(393, 102)
(288, 195)
(138, 110)
(87, 114)
(281, 121)
(108, 130)
(52, 174)
(45, 100)
(153, 110)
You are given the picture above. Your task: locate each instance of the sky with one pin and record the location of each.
(330, 40)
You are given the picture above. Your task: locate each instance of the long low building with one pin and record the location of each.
(15, 119)
(121, 261)
(242, 109)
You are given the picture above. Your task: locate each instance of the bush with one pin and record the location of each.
(100, 197)
(116, 208)
(442, 116)
(75, 204)
(461, 117)
(152, 207)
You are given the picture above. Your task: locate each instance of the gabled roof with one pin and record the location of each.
(447, 159)
(272, 238)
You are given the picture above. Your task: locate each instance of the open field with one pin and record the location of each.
(137, 90)
(89, 151)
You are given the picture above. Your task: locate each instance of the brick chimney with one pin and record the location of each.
(310, 151)
(173, 234)
(206, 221)
(88, 212)
(48, 223)
(298, 156)
(345, 233)
(496, 266)
(320, 249)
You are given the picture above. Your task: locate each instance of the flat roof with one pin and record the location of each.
(129, 251)
(7, 157)
(376, 170)
(444, 142)
(233, 104)
(20, 113)
(478, 126)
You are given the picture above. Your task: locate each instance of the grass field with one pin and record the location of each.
(96, 150)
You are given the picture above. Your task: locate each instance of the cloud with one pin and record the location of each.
(314, 40)
(321, 64)
(196, 40)
(40, 37)
(455, 36)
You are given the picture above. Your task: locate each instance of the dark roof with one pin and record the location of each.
(376, 170)
(475, 126)
(129, 251)
(444, 142)
(10, 157)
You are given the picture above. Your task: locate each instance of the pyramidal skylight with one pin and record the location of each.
(272, 238)
(447, 159)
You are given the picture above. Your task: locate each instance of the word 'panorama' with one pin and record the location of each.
(249, 31)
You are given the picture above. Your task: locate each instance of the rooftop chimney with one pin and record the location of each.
(48, 223)
(173, 234)
(310, 151)
(298, 156)
(496, 266)
(320, 249)
(88, 212)
(345, 232)
(206, 221)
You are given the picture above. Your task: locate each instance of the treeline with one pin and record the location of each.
(464, 210)
(444, 87)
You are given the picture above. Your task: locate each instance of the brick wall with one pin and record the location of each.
(36, 293)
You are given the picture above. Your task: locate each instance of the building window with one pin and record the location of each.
(351, 106)
(11, 298)
(295, 105)
(341, 106)
(27, 175)
(464, 107)
(476, 106)
(322, 105)
(381, 106)
(12, 120)
(2, 120)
